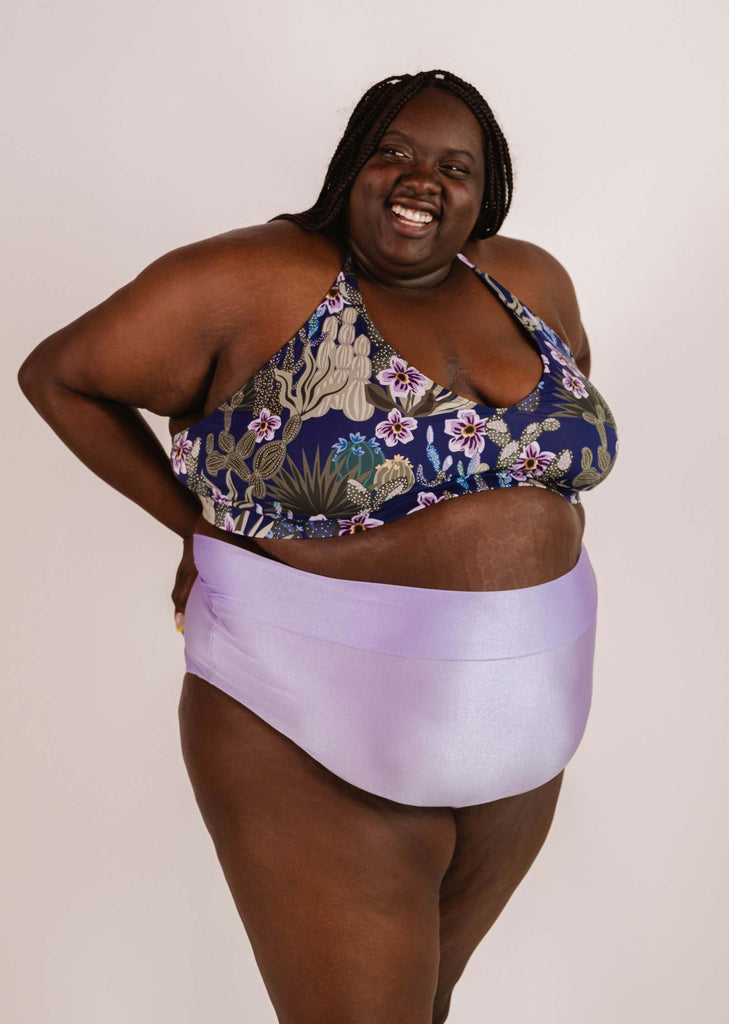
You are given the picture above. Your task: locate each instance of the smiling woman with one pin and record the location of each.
(384, 204)
(377, 719)
(370, 128)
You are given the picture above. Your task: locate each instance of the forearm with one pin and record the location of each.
(118, 445)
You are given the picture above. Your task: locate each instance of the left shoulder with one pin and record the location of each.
(540, 280)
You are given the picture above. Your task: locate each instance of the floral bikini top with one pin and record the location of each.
(338, 433)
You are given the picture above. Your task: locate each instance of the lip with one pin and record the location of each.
(413, 204)
(410, 230)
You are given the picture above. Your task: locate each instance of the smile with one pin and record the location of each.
(411, 216)
(410, 223)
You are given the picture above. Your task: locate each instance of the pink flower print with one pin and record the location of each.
(426, 498)
(402, 378)
(333, 300)
(467, 433)
(219, 498)
(557, 355)
(574, 384)
(180, 450)
(229, 524)
(265, 426)
(358, 523)
(396, 428)
(545, 361)
(531, 462)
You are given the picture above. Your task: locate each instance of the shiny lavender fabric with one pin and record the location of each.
(434, 698)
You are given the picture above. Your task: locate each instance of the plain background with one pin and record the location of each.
(130, 129)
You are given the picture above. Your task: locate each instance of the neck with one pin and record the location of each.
(414, 285)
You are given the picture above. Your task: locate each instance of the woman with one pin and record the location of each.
(376, 721)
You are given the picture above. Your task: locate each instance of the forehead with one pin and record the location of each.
(437, 116)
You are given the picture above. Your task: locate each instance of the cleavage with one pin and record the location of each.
(473, 346)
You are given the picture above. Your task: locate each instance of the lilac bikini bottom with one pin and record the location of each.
(434, 698)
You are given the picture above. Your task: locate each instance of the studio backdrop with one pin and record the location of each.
(131, 129)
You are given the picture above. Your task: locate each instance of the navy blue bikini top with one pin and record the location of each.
(338, 433)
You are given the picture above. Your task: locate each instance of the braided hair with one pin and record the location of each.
(371, 117)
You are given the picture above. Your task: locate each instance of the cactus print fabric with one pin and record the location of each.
(339, 433)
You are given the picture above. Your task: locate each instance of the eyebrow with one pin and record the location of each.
(402, 135)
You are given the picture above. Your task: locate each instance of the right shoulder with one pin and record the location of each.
(255, 241)
(232, 269)
(156, 341)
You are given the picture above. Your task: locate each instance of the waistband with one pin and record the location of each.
(394, 619)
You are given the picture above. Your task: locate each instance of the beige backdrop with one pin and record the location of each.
(133, 128)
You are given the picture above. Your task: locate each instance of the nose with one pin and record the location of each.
(422, 177)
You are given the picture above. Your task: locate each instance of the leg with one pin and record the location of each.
(496, 844)
(338, 889)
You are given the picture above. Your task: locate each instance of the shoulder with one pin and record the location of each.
(231, 270)
(247, 244)
(540, 280)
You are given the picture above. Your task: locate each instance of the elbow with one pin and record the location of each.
(31, 376)
(26, 377)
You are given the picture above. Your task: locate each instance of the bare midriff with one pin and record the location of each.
(490, 540)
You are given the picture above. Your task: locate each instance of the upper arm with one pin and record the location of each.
(153, 343)
(557, 283)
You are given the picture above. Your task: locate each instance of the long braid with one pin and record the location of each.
(368, 122)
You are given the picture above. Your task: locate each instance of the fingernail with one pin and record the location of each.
(179, 622)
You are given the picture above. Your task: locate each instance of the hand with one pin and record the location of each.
(186, 573)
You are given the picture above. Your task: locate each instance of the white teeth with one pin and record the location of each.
(416, 216)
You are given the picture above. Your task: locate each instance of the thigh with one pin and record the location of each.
(496, 844)
(338, 889)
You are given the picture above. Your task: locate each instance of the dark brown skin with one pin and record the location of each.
(358, 909)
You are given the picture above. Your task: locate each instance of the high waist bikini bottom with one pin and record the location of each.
(427, 697)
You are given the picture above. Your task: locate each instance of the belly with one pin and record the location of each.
(489, 540)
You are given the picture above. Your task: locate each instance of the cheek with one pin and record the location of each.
(368, 190)
(364, 196)
(372, 183)
(468, 202)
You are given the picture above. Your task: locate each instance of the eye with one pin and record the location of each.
(399, 152)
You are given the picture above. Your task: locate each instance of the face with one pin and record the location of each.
(415, 202)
